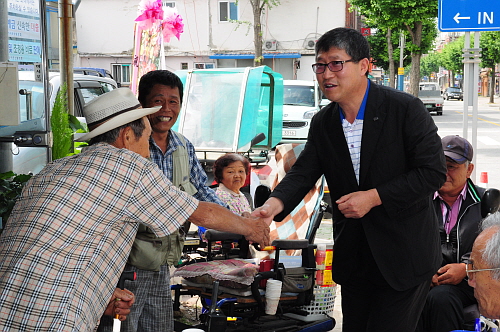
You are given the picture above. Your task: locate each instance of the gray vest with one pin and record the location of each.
(149, 252)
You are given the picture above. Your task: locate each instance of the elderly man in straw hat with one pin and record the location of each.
(72, 229)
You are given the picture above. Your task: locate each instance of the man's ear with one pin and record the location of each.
(123, 138)
(365, 65)
(470, 168)
(128, 136)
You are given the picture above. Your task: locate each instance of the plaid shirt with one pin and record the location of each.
(71, 232)
(198, 177)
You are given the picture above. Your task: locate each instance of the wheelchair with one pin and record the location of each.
(303, 306)
(243, 308)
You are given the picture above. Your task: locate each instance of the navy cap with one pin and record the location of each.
(457, 148)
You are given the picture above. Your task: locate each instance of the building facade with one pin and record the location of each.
(216, 34)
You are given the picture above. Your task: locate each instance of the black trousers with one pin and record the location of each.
(443, 310)
(370, 304)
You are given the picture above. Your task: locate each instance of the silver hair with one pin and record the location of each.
(491, 252)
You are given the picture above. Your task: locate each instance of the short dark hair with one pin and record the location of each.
(229, 158)
(111, 136)
(349, 40)
(150, 79)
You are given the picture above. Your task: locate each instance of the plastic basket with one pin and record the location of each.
(323, 300)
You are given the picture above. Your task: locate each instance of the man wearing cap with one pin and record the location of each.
(71, 231)
(458, 206)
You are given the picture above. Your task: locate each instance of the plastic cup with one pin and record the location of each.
(272, 305)
(273, 289)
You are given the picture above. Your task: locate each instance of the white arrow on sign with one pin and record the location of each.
(457, 18)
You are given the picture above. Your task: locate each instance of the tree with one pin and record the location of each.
(452, 56)
(489, 43)
(380, 49)
(374, 18)
(430, 64)
(411, 15)
(385, 54)
(258, 7)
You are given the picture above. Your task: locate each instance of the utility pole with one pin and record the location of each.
(66, 49)
(401, 70)
(472, 58)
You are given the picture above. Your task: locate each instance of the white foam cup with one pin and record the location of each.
(272, 305)
(273, 289)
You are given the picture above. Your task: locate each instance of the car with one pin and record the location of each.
(93, 71)
(300, 104)
(324, 102)
(453, 93)
(31, 159)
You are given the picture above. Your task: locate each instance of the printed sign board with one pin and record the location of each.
(468, 15)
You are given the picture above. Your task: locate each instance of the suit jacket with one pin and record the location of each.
(457, 246)
(402, 157)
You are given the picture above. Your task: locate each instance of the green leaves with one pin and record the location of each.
(59, 121)
(75, 124)
(489, 42)
(452, 55)
(11, 186)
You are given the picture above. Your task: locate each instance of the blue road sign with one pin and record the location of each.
(469, 15)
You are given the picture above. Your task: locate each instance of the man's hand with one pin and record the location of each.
(434, 281)
(120, 303)
(451, 274)
(357, 204)
(268, 210)
(259, 231)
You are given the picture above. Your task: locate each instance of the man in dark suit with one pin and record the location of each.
(382, 158)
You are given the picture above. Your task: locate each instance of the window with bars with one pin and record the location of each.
(121, 73)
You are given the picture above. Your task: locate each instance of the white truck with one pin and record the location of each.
(430, 94)
(300, 103)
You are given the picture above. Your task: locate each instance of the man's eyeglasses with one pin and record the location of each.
(469, 269)
(334, 66)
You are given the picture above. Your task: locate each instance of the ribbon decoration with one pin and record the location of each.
(151, 13)
(172, 25)
(154, 25)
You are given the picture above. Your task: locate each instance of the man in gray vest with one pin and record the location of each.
(175, 155)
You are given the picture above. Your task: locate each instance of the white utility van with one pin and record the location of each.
(300, 103)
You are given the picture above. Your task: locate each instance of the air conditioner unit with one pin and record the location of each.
(310, 43)
(270, 45)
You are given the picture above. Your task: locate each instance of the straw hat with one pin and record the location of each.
(112, 110)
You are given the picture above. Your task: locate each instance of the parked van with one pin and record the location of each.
(31, 159)
(300, 103)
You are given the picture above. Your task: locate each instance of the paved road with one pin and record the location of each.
(487, 150)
